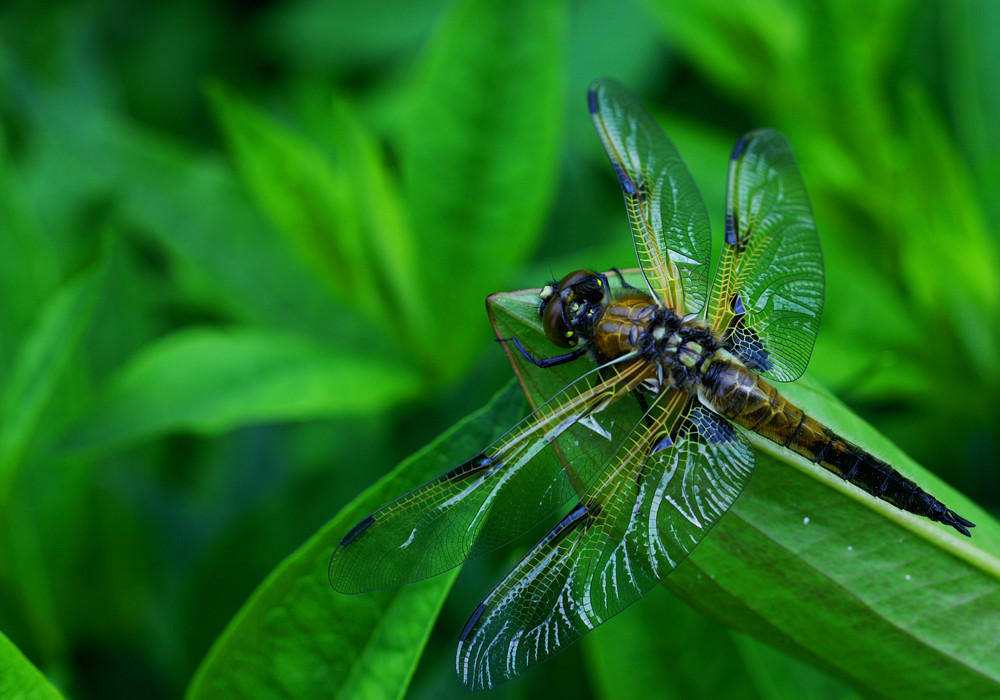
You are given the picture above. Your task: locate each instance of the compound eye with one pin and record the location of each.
(555, 324)
(572, 280)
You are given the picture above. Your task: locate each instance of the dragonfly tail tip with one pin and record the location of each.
(950, 517)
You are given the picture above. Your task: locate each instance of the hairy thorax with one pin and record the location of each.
(681, 349)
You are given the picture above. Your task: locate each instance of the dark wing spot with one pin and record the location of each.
(739, 147)
(743, 341)
(592, 101)
(357, 531)
(572, 519)
(467, 630)
(731, 238)
(623, 179)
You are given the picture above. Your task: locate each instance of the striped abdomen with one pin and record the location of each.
(748, 400)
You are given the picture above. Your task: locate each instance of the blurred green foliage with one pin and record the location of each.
(243, 253)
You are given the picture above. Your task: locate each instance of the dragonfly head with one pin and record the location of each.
(569, 307)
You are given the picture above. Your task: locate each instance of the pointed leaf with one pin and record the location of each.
(307, 200)
(24, 285)
(42, 358)
(211, 381)
(298, 637)
(194, 208)
(19, 678)
(479, 151)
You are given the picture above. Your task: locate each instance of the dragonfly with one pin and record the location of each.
(651, 388)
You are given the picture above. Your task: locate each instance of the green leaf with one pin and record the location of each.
(732, 41)
(703, 661)
(298, 637)
(211, 381)
(25, 285)
(973, 56)
(195, 209)
(948, 257)
(307, 200)
(804, 554)
(673, 652)
(321, 38)
(817, 568)
(19, 678)
(777, 676)
(385, 231)
(42, 359)
(479, 152)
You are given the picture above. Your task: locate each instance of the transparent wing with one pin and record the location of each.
(632, 528)
(767, 298)
(487, 501)
(669, 221)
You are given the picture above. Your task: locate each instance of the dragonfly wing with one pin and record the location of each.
(767, 298)
(632, 528)
(489, 500)
(668, 217)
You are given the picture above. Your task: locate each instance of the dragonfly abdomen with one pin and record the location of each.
(750, 401)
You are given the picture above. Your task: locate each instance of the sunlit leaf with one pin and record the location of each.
(20, 679)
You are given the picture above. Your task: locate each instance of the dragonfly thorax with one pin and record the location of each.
(634, 324)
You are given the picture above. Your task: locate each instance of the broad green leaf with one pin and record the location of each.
(210, 381)
(777, 676)
(298, 637)
(673, 652)
(479, 152)
(42, 359)
(19, 678)
(875, 596)
(817, 568)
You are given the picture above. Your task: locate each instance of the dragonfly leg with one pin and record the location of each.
(625, 284)
(545, 362)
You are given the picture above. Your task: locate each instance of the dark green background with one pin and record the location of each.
(244, 251)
